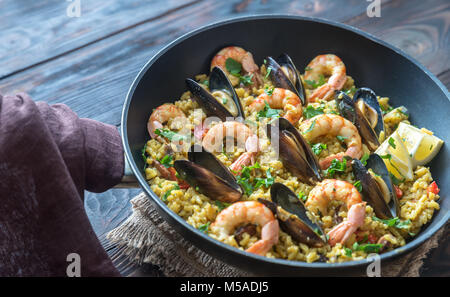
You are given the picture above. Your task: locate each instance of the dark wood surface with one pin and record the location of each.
(89, 62)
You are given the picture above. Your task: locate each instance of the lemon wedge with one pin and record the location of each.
(396, 157)
(421, 144)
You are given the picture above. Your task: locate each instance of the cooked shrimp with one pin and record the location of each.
(162, 114)
(240, 55)
(355, 219)
(244, 136)
(280, 99)
(334, 125)
(252, 212)
(326, 65)
(334, 189)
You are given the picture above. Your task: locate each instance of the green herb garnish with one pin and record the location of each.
(392, 142)
(336, 167)
(341, 138)
(204, 228)
(269, 90)
(348, 252)
(302, 196)
(387, 156)
(394, 222)
(233, 66)
(170, 135)
(268, 112)
(221, 205)
(167, 194)
(367, 247)
(315, 84)
(358, 185)
(364, 159)
(224, 100)
(310, 127)
(318, 148)
(166, 161)
(308, 68)
(310, 111)
(269, 69)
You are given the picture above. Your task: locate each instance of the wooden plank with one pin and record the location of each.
(420, 28)
(94, 80)
(36, 31)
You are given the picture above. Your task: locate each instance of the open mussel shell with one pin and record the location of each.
(371, 191)
(221, 100)
(366, 100)
(209, 176)
(383, 178)
(285, 75)
(291, 213)
(294, 151)
(348, 109)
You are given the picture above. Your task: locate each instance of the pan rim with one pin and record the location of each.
(422, 237)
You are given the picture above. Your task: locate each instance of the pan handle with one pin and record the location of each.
(128, 179)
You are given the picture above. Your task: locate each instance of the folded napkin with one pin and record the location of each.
(147, 238)
(48, 156)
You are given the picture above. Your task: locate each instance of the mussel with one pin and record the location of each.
(221, 100)
(377, 188)
(366, 100)
(348, 109)
(208, 175)
(284, 74)
(291, 214)
(294, 151)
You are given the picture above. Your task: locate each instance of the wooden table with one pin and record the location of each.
(89, 62)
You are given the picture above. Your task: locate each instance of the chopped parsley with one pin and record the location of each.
(166, 161)
(341, 138)
(392, 142)
(234, 68)
(364, 159)
(170, 135)
(249, 187)
(348, 252)
(350, 91)
(394, 222)
(315, 84)
(221, 205)
(387, 156)
(310, 111)
(206, 82)
(318, 148)
(269, 69)
(302, 196)
(358, 185)
(310, 127)
(367, 247)
(269, 90)
(308, 68)
(336, 167)
(204, 228)
(268, 112)
(167, 194)
(144, 152)
(386, 109)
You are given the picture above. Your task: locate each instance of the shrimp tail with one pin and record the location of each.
(269, 237)
(244, 160)
(344, 230)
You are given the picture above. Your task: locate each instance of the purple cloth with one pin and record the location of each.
(48, 156)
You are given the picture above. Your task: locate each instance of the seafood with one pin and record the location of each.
(334, 125)
(240, 55)
(253, 212)
(326, 65)
(163, 114)
(282, 206)
(280, 99)
(285, 75)
(333, 189)
(221, 100)
(349, 110)
(209, 176)
(295, 152)
(213, 141)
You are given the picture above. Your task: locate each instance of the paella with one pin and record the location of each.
(297, 165)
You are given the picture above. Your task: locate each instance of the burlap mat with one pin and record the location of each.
(146, 238)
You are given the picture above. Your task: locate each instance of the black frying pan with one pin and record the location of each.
(372, 63)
